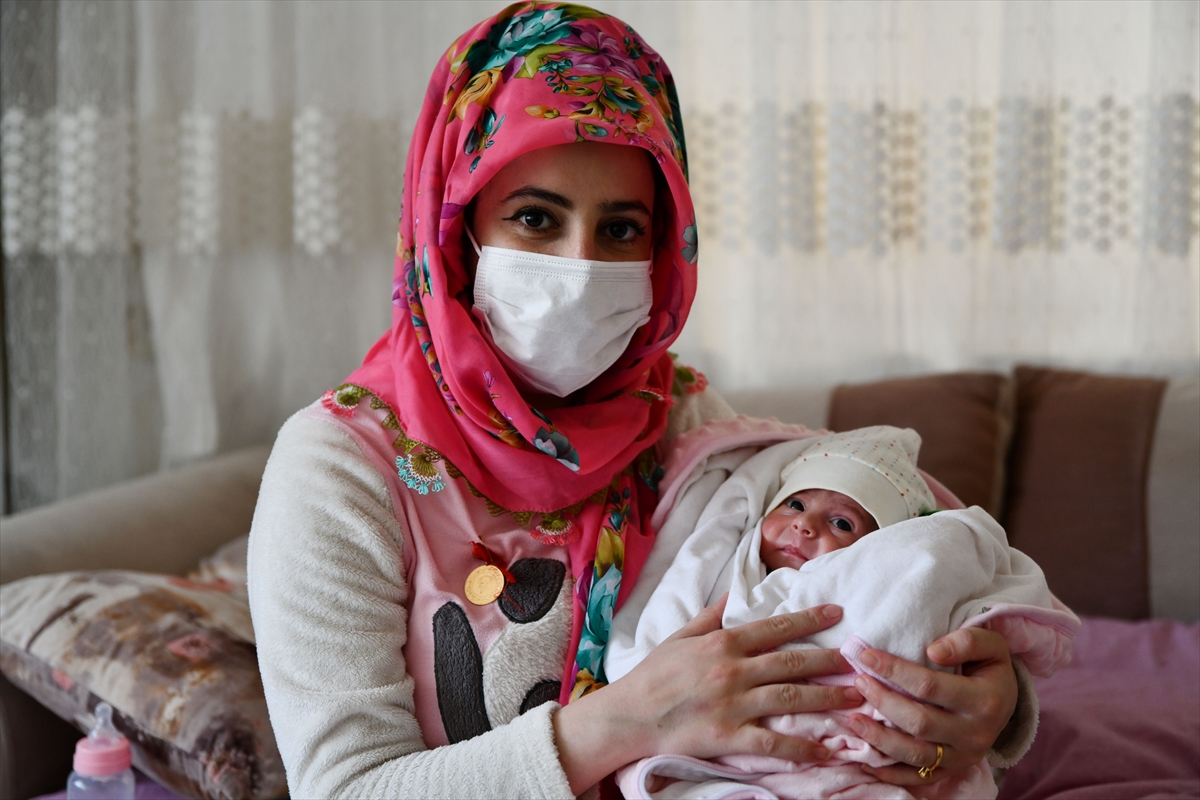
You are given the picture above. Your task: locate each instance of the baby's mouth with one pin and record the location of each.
(795, 553)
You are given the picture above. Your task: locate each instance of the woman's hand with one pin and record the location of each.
(966, 714)
(701, 693)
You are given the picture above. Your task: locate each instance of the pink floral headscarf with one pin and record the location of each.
(533, 76)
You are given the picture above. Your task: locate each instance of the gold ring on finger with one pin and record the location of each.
(927, 772)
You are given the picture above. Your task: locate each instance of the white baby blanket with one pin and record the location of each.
(900, 588)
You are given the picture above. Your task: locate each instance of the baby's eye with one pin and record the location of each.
(843, 524)
(795, 504)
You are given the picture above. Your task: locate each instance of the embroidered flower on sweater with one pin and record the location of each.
(554, 529)
(689, 380)
(343, 400)
(418, 472)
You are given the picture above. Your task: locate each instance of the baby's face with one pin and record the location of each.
(811, 523)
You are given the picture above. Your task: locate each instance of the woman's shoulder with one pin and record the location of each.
(319, 467)
(340, 437)
(696, 403)
(314, 440)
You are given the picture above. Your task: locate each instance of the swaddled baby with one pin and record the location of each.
(849, 521)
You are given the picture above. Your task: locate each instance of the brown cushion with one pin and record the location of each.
(965, 422)
(1077, 485)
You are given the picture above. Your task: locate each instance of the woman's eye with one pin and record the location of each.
(623, 231)
(534, 219)
(795, 504)
(843, 524)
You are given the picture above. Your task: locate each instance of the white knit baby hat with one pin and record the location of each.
(875, 466)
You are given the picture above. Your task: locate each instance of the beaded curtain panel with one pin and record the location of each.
(199, 201)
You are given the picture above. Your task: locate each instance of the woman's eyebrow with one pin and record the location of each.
(535, 193)
(617, 206)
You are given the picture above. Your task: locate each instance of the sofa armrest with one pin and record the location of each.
(36, 747)
(164, 522)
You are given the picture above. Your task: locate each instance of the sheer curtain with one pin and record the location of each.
(909, 186)
(199, 201)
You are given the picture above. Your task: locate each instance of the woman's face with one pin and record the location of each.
(587, 200)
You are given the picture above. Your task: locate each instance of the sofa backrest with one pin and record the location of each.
(1173, 504)
(164, 522)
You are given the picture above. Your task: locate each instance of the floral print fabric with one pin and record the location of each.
(535, 75)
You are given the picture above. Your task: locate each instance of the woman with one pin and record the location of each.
(439, 543)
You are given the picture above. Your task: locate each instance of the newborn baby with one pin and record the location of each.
(849, 521)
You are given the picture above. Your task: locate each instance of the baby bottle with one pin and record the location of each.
(102, 763)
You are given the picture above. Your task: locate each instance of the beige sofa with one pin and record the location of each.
(1041, 449)
(162, 523)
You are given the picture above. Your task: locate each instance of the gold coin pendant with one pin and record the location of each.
(484, 585)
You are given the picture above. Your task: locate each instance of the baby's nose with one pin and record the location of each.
(801, 526)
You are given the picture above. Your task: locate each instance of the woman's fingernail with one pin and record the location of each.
(940, 651)
(831, 612)
(869, 659)
(857, 726)
(861, 684)
(820, 753)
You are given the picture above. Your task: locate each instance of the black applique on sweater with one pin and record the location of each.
(539, 580)
(458, 667)
(458, 662)
(542, 692)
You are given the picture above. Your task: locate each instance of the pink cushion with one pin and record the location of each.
(1122, 721)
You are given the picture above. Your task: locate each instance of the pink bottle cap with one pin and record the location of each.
(104, 751)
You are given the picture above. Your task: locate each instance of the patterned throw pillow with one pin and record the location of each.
(174, 657)
(225, 569)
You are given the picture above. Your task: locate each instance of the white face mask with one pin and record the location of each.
(559, 322)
